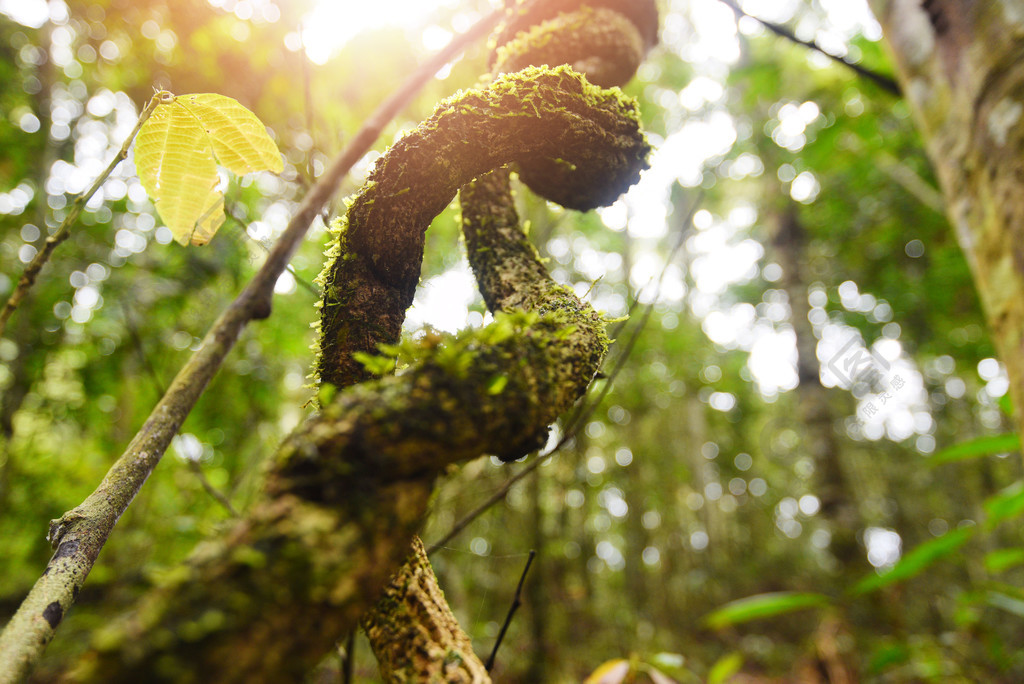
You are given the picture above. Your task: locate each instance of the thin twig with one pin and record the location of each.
(80, 534)
(349, 661)
(886, 83)
(516, 602)
(217, 495)
(304, 284)
(63, 232)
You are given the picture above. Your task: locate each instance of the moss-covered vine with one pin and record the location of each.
(580, 143)
(346, 492)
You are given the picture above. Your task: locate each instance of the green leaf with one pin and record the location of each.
(176, 153)
(723, 670)
(378, 365)
(1005, 504)
(762, 606)
(886, 657)
(1003, 559)
(916, 560)
(326, 393)
(497, 384)
(1006, 404)
(982, 446)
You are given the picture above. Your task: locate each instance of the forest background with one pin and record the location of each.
(721, 465)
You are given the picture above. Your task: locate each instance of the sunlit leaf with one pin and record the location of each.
(975, 448)
(1005, 504)
(178, 172)
(176, 153)
(762, 606)
(239, 139)
(723, 670)
(917, 560)
(1002, 559)
(611, 672)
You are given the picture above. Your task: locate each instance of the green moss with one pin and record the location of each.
(604, 40)
(550, 121)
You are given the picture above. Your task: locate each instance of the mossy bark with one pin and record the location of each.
(961, 64)
(579, 143)
(345, 494)
(414, 634)
(601, 43)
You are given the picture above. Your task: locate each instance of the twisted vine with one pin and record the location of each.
(348, 489)
(578, 142)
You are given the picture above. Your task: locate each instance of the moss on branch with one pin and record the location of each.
(414, 634)
(547, 120)
(601, 43)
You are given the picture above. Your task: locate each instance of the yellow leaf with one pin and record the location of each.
(239, 139)
(212, 219)
(611, 672)
(176, 169)
(175, 152)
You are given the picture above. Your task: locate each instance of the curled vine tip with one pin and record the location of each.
(603, 44)
(522, 15)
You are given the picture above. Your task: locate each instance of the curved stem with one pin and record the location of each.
(535, 116)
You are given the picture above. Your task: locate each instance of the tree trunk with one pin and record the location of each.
(960, 63)
(819, 438)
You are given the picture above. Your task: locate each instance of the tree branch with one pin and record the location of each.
(63, 232)
(80, 534)
(516, 602)
(886, 83)
(586, 408)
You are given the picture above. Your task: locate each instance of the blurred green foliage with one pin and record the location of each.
(691, 486)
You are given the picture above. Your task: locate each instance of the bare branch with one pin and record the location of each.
(217, 495)
(516, 602)
(886, 83)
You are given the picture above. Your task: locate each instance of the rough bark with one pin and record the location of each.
(346, 493)
(961, 64)
(414, 634)
(581, 143)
